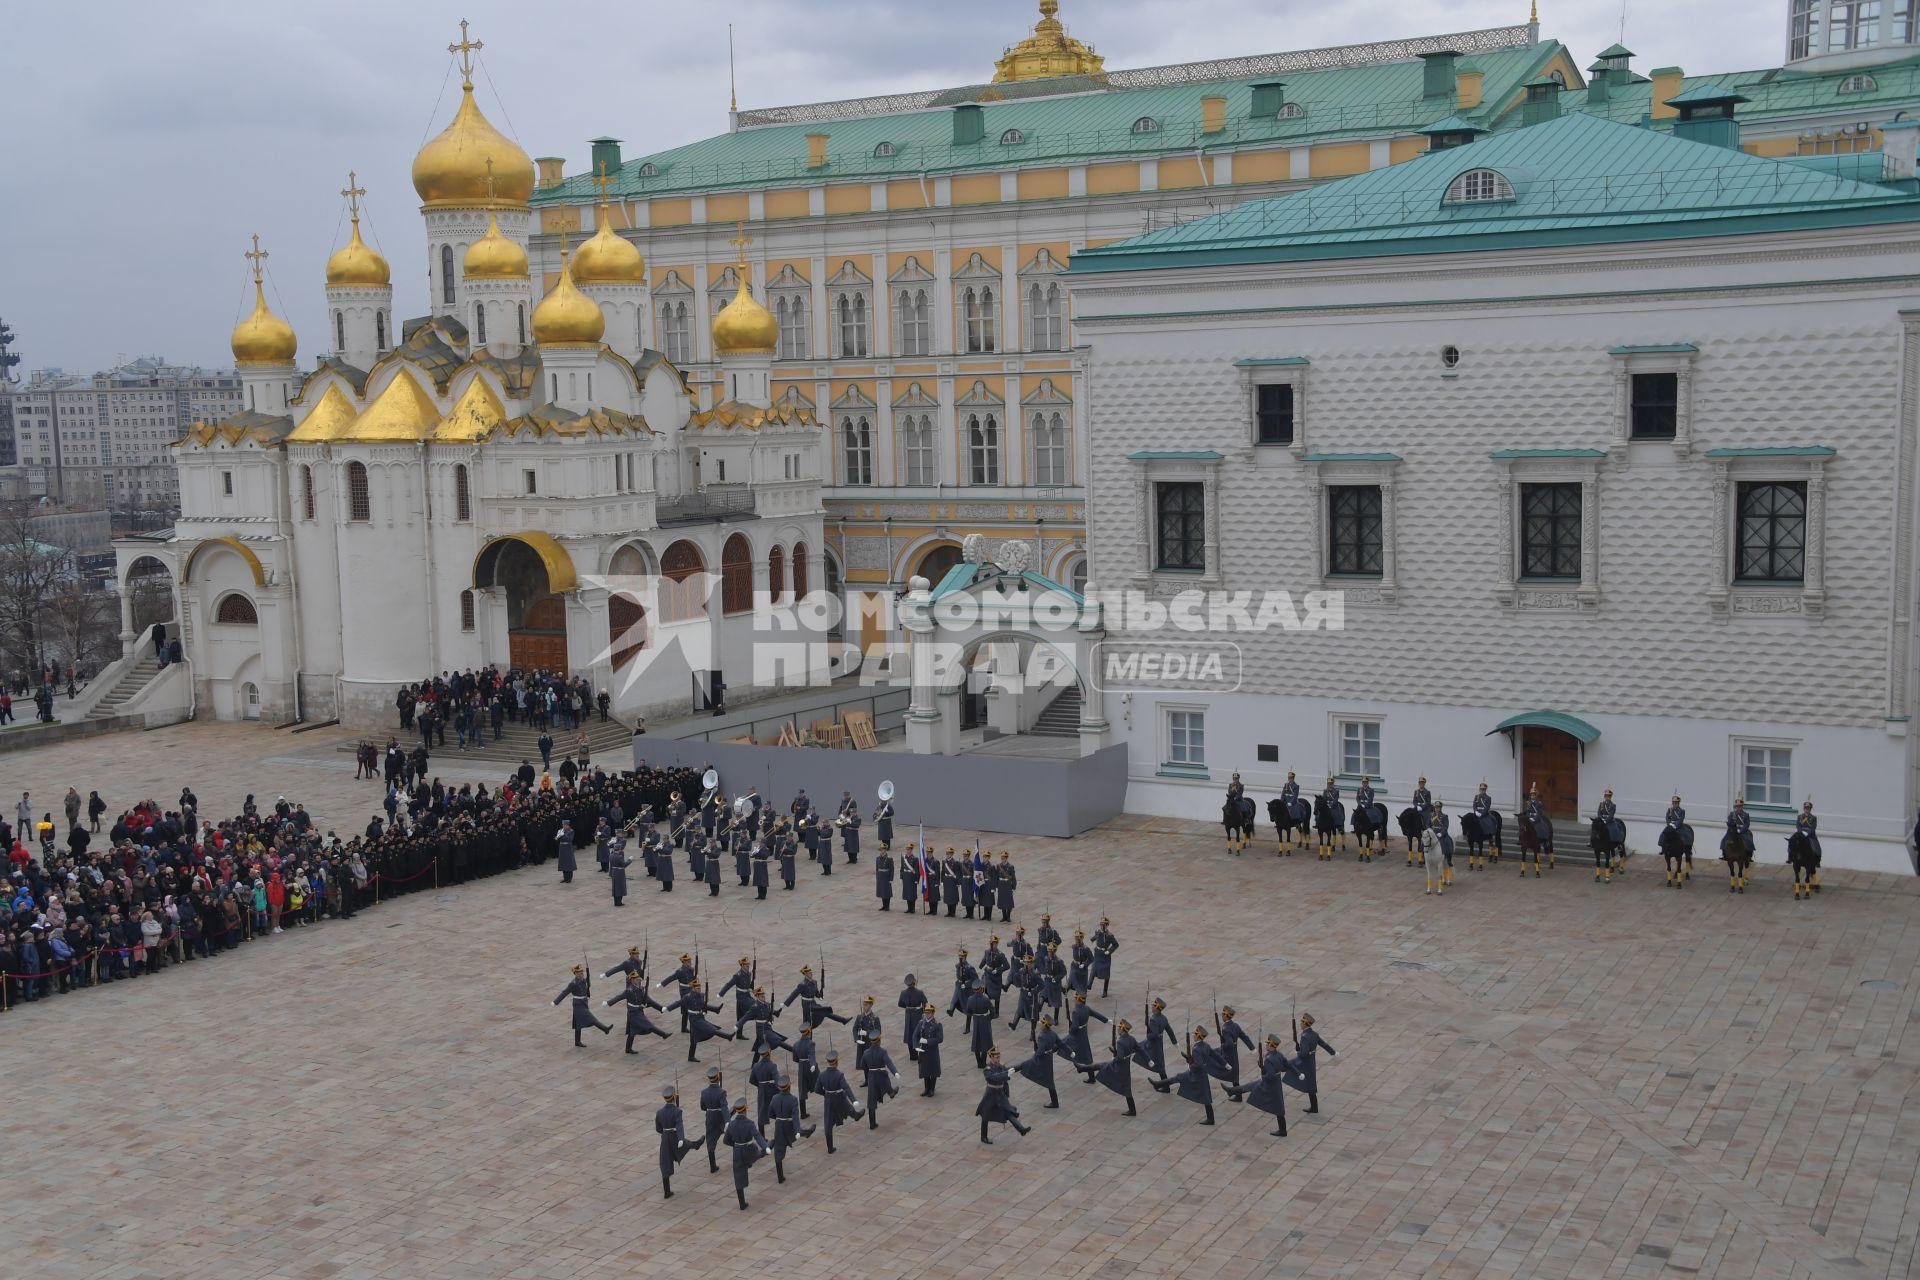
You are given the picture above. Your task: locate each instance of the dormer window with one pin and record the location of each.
(884, 150)
(649, 170)
(1146, 124)
(1859, 84)
(1012, 138)
(1290, 111)
(1478, 186)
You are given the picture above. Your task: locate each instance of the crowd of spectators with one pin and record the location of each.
(472, 702)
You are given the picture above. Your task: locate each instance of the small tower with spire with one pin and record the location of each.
(359, 294)
(495, 289)
(611, 270)
(264, 347)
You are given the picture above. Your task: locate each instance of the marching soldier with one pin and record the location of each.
(927, 1034)
(631, 964)
(883, 879)
(680, 977)
(1159, 1035)
(1080, 972)
(1039, 1068)
(1049, 936)
(741, 984)
(914, 1001)
(979, 1010)
(744, 1140)
(1194, 1084)
(876, 1066)
(1053, 974)
(1078, 1040)
(1231, 1038)
(813, 1010)
(996, 1107)
(866, 1024)
(668, 1123)
(1105, 943)
(699, 1030)
(993, 972)
(804, 1061)
(784, 1111)
(761, 1014)
(713, 1105)
(763, 1076)
(1117, 1072)
(964, 975)
(635, 997)
(1026, 979)
(1005, 886)
(1020, 947)
(837, 1103)
(581, 991)
(1306, 1045)
(1266, 1094)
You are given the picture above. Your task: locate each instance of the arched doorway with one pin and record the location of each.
(937, 561)
(626, 616)
(149, 590)
(683, 596)
(250, 701)
(535, 574)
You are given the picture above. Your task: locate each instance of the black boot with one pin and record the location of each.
(741, 1193)
(1281, 1132)
(983, 1132)
(576, 1039)
(629, 1044)
(1209, 1119)
(1131, 1110)
(1313, 1104)
(1022, 1129)
(666, 1187)
(1053, 1101)
(931, 1085)
(780, 1170)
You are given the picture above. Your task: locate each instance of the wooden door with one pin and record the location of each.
(537, 651)
(1550, 760)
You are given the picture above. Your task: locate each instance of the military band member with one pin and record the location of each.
(837, 1103)
(813, 1009)
(581, 991)
(1047, 1046)
(763, 1076)
(712, 870)
(1079, 1040)
(1231, 1038)
(850, 831)
(1105, 943)
(680, 978)
(1080, 970)
(671, 1126)
(866, 1023)
(676, 819)
(1267, 1093)
(876, 1066)
(1005, 886)
(631, 964)
(784, 1111)
(635, 997)
(926, 1035)
(1195, 1083)
(1307, 1045)
(747, 1146)
(883, 825)
(822, 850)
(800, 805)
(805, 1062)
(964, 976)
(979, 1010)
(742, 842)
(696, 845)
(883, 879)
(762, 873)
(602, 835)
(713, 1106)
(1159, 1036)
(913, 1000)
(663, 867)
(996, 1107)
(1117, 1072)
(784, 844)
(993, 972)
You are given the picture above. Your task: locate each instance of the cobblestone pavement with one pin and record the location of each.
(1535, 1077)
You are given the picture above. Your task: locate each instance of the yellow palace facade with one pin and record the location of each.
(913, 248)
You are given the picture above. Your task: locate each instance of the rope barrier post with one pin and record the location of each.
(436, 871)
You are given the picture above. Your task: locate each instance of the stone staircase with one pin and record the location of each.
(1061, 719)
(131, 681)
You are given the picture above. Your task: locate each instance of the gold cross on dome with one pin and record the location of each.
(465, 48)
(740, 241)
(256, 255)
(353, 192)
(604, 181)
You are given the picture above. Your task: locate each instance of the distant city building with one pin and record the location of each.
(102, 438)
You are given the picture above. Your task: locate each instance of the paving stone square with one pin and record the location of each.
(1535, 1077)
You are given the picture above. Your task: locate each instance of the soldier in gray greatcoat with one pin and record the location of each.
(996, 1107)
(836, 1097)
(713, 1106)
(614, 861)
(912, 999)
(784, 1111)
(563, 851)
(927, 1035)
(581, 991)
(747, 1146)
(634, 996)
(671, 1126)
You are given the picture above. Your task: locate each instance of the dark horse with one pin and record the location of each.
(1369, 827)
(1414, 828)
(1329, 820)
(1676, 846)
(1803, 854)
(1736, 850)
(1609, 840)
(1482, 835)
(1236, 815)
(1536, 838)
(1287, 819)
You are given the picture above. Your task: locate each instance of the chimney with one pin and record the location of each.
(1469, 86)
(1900, 141)
(1438, 81)
(1452, 132)
(1213, 114)
(1666, 84)
(1543, 101)
(1268, 99)
(552, 171)
(1599, 84)
(1706, 115)
(969, 124)
(606, 151)
(816, 151)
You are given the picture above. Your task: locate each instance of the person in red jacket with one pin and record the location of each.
(276, 898)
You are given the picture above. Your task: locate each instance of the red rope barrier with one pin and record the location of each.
(432, 865)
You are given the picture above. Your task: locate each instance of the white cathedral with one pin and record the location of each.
(505, 481)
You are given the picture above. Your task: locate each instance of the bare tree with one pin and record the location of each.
(32, 573)
(84, 625)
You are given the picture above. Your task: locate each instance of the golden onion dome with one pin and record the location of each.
(608, 258)
(1049, 51)
(263, 337)
(494, 257)
(744, 327)
(567, 315)
(453, 168)
(354, 263)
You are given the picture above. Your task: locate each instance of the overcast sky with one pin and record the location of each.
(149, 141)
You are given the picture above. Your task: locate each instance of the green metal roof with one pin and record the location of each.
(1770, 93)
(1577, 179)
(1701, 94)
(1077, 122)
(965, 575)
(1615, 51)
(1568, 724)
(1775, 451)
(1504, 454)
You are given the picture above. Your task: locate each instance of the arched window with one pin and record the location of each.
(675, 332)
(1049, 449)
(1860, 83)
(480, 323)
(649, 170)
(1291, 111)
(1046, 316)
(736, 575)
(916, 332)
(1146, 124)
(462, 494)
(359, 504)
(446, 274)
(237, 610)
(339, 331)
(776, 573)
(884, 150)
(1478, 186)
(791, 312)
(522, 308)
(1012, 138)
(852, 311)
(983, 449)
(683, 594)
(977, 310)
(916, 447)
(380, 330)
(799, 570)
(306, 491)
(856, 445)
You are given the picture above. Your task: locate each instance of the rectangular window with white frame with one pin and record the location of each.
(1275, 390)
(1184, 739)
(1769, 521)
(1765, 774)
(1357, 747)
